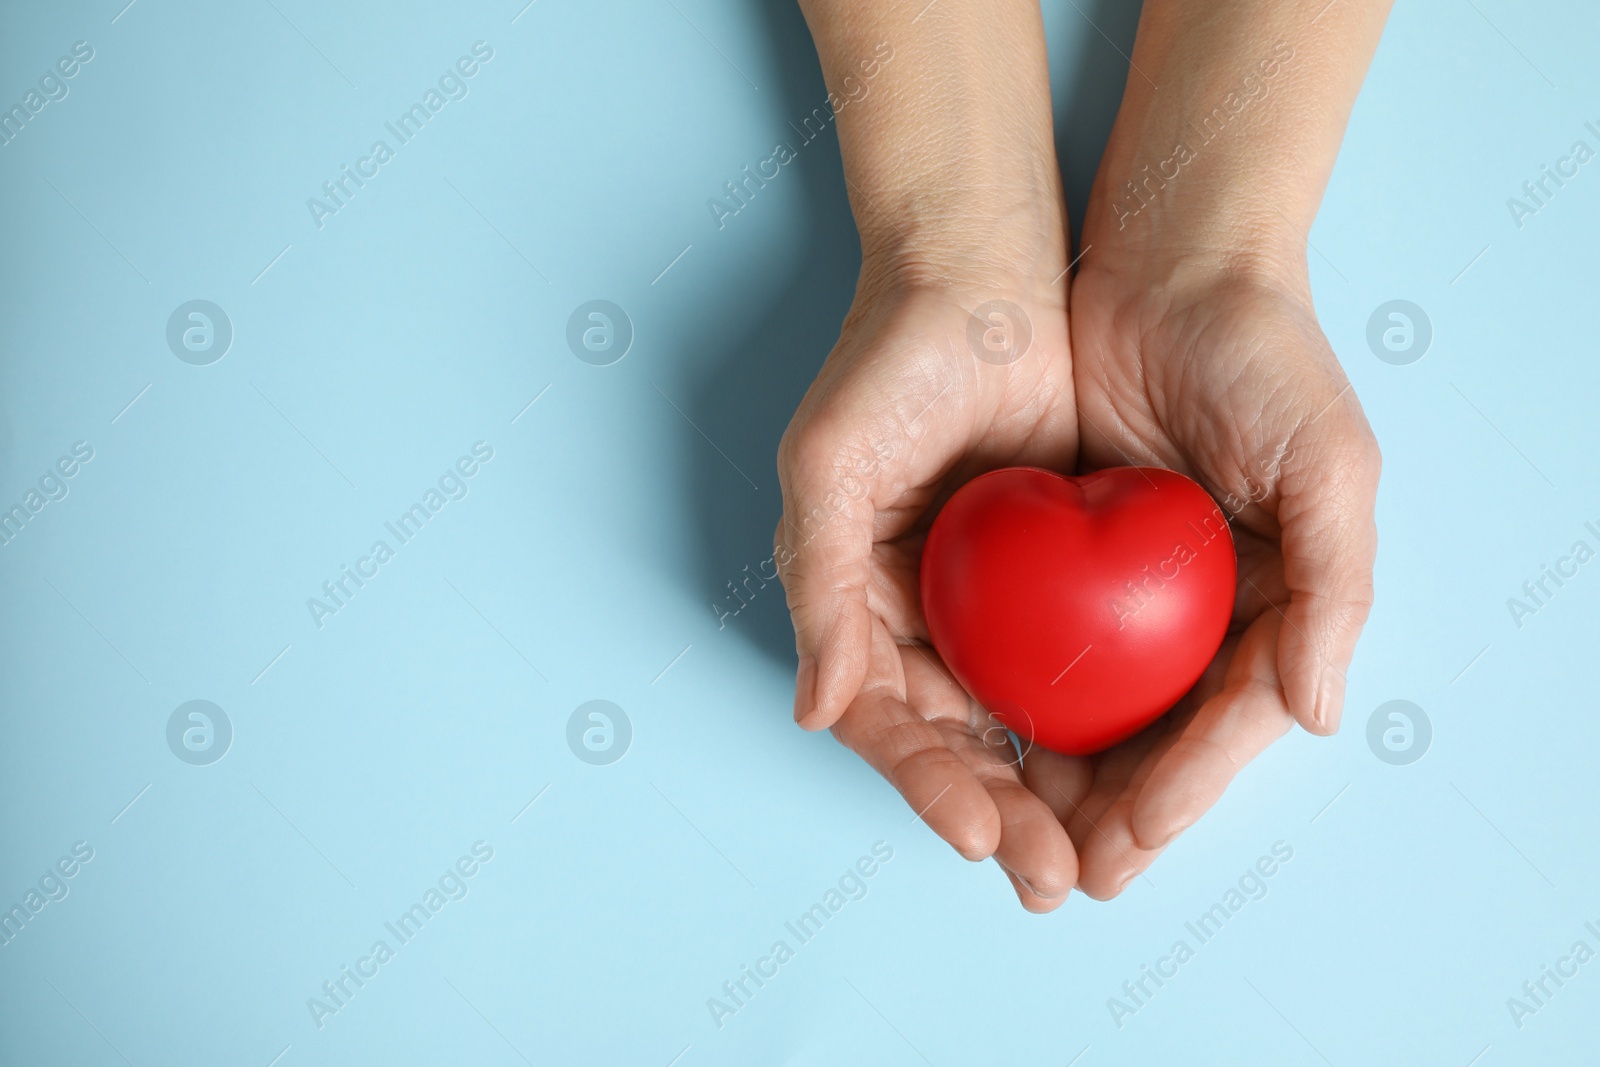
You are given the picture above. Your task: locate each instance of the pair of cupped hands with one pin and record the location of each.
(1175, 343)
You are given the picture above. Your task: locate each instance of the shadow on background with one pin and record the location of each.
(749, 388)
(1094, 69)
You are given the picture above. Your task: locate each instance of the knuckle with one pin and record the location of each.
(911, 744)
(1372, 455)
(809, 444)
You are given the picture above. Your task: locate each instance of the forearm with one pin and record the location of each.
(946, 135)
(1234, 149)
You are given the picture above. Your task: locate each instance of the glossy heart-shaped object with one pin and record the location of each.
(1078, 610)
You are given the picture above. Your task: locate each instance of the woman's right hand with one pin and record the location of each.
(910, 404)
(943, 115)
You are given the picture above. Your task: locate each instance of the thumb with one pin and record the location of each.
(823, 548)
(1326, 514)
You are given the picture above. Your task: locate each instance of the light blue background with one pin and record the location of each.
(426, 715)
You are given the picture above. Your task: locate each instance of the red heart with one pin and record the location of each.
(1078, 610)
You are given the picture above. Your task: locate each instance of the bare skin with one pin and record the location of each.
(1186, 339)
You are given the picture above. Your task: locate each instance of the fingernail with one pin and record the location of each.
(805, 684)
(1330, 702)
(1023, 882)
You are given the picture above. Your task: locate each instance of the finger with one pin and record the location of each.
(1031, 901)
(1035, 851)
(823, 548)
(1260, 570)
(1328, 498)
(1101, 824)
(1230, 729)
(1110, 854)
(915, 755)
(1114, 772)
(1109, 857)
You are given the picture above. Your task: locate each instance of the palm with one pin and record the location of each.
(1235, 386)
(903, 386)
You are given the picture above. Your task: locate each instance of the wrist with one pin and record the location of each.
(1176, 216)
(1222, 169)
(1240, 242)
(1177, 265)
(950, 161)
(1018, 248)
(1176, 195)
